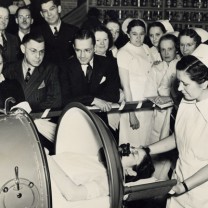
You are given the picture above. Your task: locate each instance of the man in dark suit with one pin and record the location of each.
(57, 34)
(89, 78)
(24, 21)
(38, 78)
(7, 40)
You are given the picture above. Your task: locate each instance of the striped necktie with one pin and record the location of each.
(28, 75)
(4, 41)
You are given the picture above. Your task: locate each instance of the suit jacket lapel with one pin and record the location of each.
(97, 72)
(36, 79)
(19, 73)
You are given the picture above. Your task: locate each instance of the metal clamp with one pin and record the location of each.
(6, 105)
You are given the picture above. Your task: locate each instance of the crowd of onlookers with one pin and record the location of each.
(102, 62)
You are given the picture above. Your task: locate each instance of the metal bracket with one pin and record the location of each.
(6, 105)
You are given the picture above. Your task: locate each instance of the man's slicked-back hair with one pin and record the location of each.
(56, 2)
(83, 34)
(22, 8)
(36, 36)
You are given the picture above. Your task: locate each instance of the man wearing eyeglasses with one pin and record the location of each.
(89, 78)
(39, 79)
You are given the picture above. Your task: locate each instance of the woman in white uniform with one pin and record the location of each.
(134, 63)
(191, 133)
(155, 31)
(164, 74)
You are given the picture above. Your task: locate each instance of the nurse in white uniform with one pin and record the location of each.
(191, 133)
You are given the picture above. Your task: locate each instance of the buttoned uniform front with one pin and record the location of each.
(137, 61)
(192, 144)
(162, 76)
(42, 91)
(104, 82)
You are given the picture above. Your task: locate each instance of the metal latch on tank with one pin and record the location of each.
(19, 193)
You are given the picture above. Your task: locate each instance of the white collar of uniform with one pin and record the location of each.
(57, 26)
(188, 101)
(202, 106)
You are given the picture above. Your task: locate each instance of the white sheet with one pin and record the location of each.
(85, 169)
(59, 201)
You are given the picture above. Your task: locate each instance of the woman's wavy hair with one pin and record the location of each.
(156, 24)
(136, 22)
(102, 28)
(196, 70)
(192, 34)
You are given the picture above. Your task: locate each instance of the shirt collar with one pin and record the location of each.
(1, 78)
(57, 26)
(1, 41)
(91, 62)
(3, 33)
(21, 35)
(25, 67)
(84, 66)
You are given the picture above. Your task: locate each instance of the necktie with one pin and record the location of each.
(56, 32)
(109, 53)
(88, 73)
(4, 41)
(28, 75)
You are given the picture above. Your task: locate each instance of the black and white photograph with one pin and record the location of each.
(103, 103)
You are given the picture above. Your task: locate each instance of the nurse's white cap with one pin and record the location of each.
(202, 33)
(167, 25)
(127, 21)
(201, 53)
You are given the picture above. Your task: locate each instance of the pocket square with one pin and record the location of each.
(42, 85)
(102, 80)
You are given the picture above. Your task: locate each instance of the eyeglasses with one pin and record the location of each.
(35, 52)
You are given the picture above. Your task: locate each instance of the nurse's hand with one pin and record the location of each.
(135, 158)
(178, 189)
(134, 122)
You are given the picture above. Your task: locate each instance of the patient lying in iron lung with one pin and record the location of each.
(81, 177)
